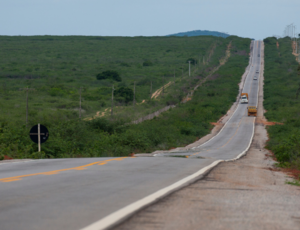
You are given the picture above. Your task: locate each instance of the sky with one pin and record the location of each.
(256, 19)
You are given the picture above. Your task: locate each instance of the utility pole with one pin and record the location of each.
(189, 68)
(27, 89)
(134, 95)
(80, 102)
(39, 136)
(151, 90)
(163, 89)
(112, 101)
(174, 74)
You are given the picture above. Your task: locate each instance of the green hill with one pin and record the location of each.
(201, 33)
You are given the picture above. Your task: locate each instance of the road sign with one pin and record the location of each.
(44, 134)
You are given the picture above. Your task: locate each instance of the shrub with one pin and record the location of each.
(192, 60)
(109, 74)
(56, 92)
(125, 93)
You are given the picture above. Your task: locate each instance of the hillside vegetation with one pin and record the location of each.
(57, 66)
(281, 89)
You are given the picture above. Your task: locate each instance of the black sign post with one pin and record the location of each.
(39, 134)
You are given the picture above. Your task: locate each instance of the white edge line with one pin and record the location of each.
(116, 217)
(15, 162)
(122, 213)
(244, 152)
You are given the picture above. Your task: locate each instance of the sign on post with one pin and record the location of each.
(39, 134)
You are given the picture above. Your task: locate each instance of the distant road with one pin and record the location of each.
(75, 193)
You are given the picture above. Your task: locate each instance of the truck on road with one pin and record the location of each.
(244, 98)
(252, 111)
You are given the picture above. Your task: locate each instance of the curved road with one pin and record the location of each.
(75, 193)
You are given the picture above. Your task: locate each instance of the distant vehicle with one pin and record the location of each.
(252, 111)
(244, 98)
(258, 55)
(257, 71)
(255, 78)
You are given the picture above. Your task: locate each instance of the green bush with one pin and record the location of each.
(192, 60)
(280, 100)
(125, 93)
(56, 92)
(109, 74)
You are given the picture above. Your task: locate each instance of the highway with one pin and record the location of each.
(93, 193)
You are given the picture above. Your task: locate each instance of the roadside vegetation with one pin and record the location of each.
(56, 67)
(282, 101)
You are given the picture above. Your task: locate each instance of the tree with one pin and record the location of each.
(192, 60)
(109, 74)
(125, 93)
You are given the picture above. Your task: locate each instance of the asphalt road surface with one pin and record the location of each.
(75, 193)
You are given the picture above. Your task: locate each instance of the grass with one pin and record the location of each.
(295, 182)
(280, 100)
(47, 64)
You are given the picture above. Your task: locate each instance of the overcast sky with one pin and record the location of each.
(255, 19)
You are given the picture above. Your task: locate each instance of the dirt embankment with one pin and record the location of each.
(244, 194)
(160, 90)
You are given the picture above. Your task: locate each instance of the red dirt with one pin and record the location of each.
(292, 172)
(277, 44)
(295, 173)
(7, 158)
(265, 122)
(215, 123)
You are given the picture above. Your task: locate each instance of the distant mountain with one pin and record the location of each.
(201, 33)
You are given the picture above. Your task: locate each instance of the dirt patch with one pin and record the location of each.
(294, 46)
(241, 53)
(215, 123)
(159, 91)
(7, 158)
(263, 121)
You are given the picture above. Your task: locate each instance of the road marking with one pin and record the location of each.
(82, 167)
(233, 134)
(123, 213)
(119, 215)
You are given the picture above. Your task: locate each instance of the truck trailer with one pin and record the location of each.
(252, 111)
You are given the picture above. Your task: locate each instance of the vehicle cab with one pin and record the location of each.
(244, 99)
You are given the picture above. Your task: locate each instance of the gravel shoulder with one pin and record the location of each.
(243, 194)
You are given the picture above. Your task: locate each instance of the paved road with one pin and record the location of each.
(235, 136)
(74, 193)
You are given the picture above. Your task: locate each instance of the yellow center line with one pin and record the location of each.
(82, 167)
